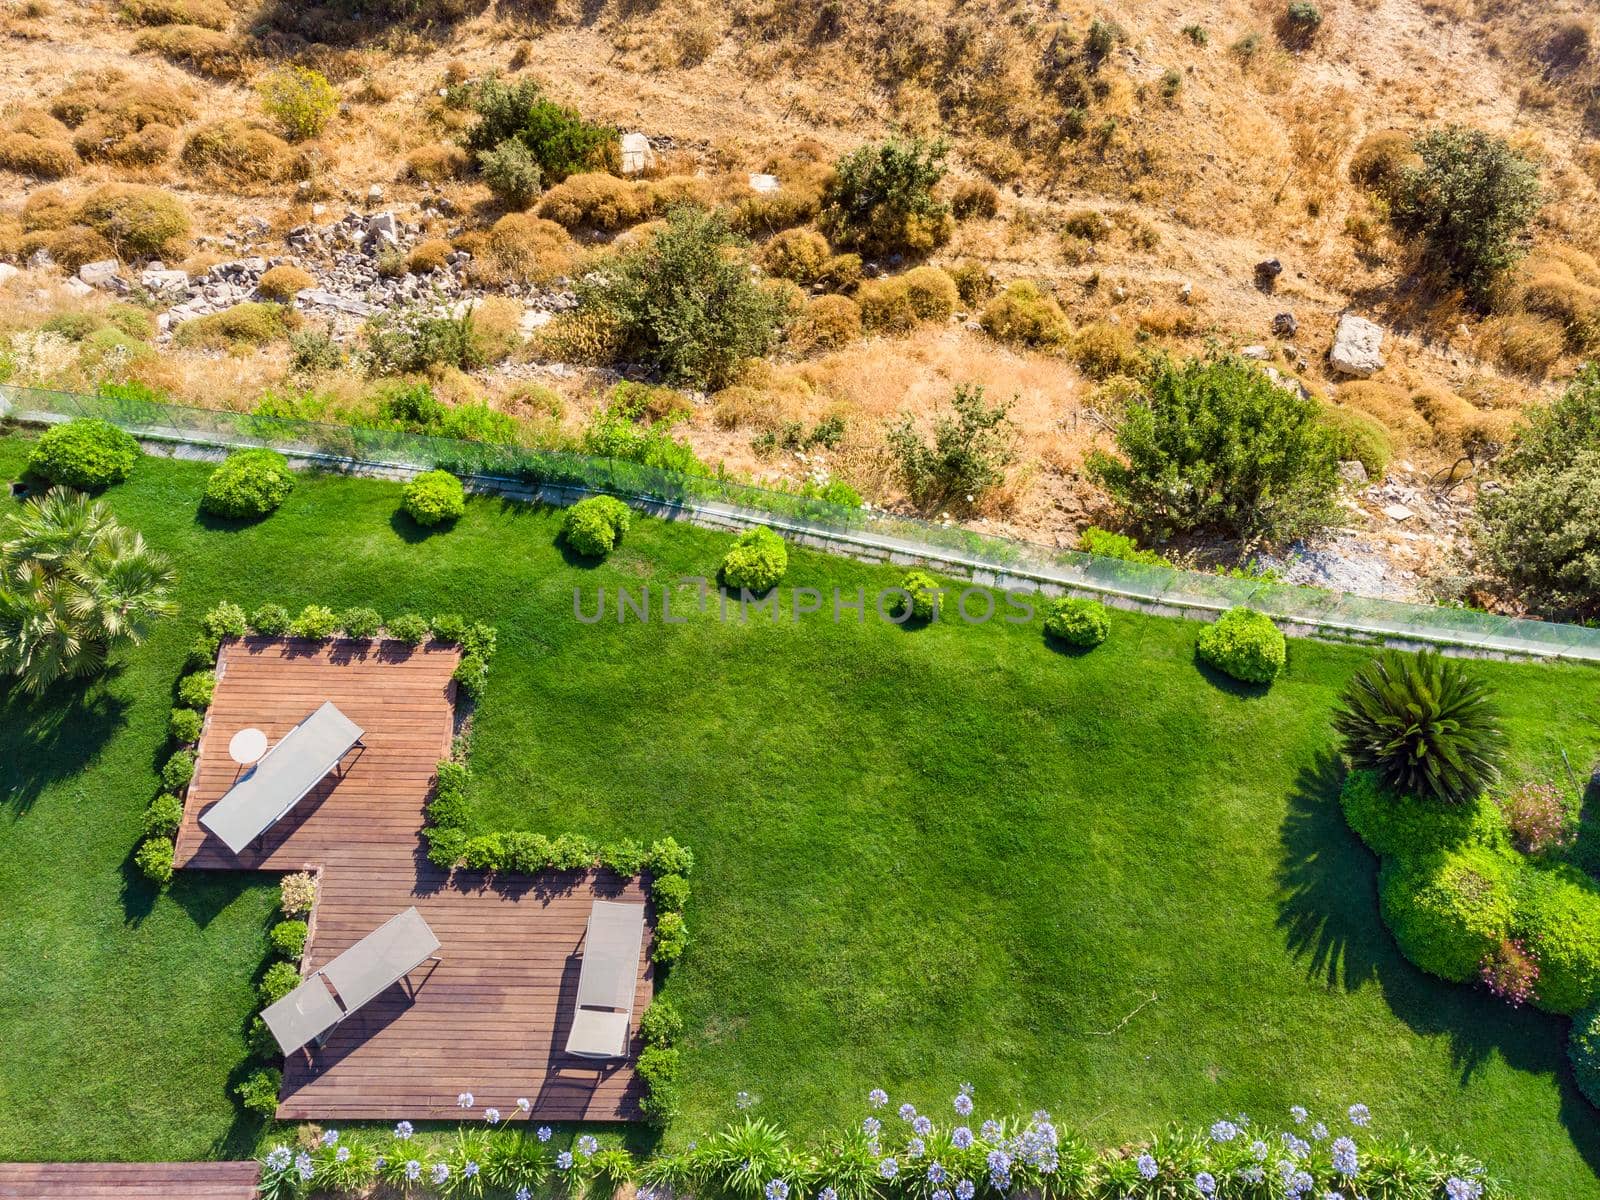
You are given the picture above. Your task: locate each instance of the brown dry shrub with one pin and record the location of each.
(520, 248)
(1102, 350)
(432, 254)
(43, 158)
(842, 272)
(1382, 158)
(593, 200)
(672, 190)
(1025, 314)
(932, 293)
(71, 245)
(209, 14)
(48, 208)
(1391, 406)
(231, 151)
(885, 305)
(827, 323)
(238, 329)
(739, 405)
(496, 327)
(437, 162)
(98, 138)
(975, 282)
(282, 283)
(974, 198)
(1167, 320)
(137, 220)
(1564, 284)
(35, 122)
(797, 254)
(1525, 343)
(209, 51)
(771, 212)
(110, 115)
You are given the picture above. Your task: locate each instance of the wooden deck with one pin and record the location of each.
(129, 1181)
(492, 1016)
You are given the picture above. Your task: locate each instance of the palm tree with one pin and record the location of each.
(74, 585)
(1426, 726)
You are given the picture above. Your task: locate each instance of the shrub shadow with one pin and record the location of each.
(212, 523)
(1224, 682)
(572, 558)
(1067, 649)
(412, 534)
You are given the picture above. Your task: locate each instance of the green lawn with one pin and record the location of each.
(925, 857)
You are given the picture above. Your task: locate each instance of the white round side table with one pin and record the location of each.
(247, 746)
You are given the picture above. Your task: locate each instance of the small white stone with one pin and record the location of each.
(1397, 512)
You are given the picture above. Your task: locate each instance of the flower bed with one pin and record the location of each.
(893, 1154)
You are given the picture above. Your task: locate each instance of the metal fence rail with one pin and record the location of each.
(985, 555)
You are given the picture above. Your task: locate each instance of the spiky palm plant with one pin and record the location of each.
(74, 585)
(1424, 724)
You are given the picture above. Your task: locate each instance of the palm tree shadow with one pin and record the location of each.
(54, 736)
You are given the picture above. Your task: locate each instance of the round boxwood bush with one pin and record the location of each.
(408, 628)
(184, 725)
(249, 483)
(1583, 1047)
(1077, 622)
(162, 818)
(1558, 918)
(87, 453)
(280, 979)
(225, 619)
(757, 561)
(197, 688)
(360, 623)
(435, 497)
(595, 526)
(1244, 644)
(1414, 826)
(670, 892)
(921, 596)
(259, 1090)
(270, 620)
(1448, 911)
(154, 859)
(178, 771)
(288, 938)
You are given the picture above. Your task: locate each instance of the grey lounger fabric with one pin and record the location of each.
(607, 980)
(382, 958)
(289, 770)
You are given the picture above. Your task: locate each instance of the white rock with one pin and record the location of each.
(102, 274)
(78, 287)
(158, 280)
(375, 193)
(1357, 347)
(1397, 512)
(536, 318)
(1259, 353)
(1352, 472)
(637, 153)
(764, 183)
(384, 226)
(7, 273)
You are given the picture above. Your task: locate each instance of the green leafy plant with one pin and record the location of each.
(1423, 724)
(225, 619)
(881, 199)
(921, 600)
(670, 892)
(434, 498)
(360, 623)
(661, 1024)
(277, 981)
(671, 940)
(258, 1092)
(1448, 911)
(408, 628)
(625, 857)
(87, 453)
(1214, 445)
(1244, 644)
(1469, 201)
(1583, 1048)
(667, 857)
(1398, 825)
(288, 938)
(249, 483)
(1077, 622)
(270, 620)
(972, 445)
(593, 527)
(757, 561)
(297, 892)
(196, 689)
(512, 173)
(300, 100)
(154, 860)
(184, 725)
(1105, 544)
(557, 138)
(177, 772)
(314, 623)
(162, 818)
(658, 1066)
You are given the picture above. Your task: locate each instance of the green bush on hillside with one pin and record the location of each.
(435, 498)
(87, 454)
(1077, 621)
(1244, 644)
(757, 561)
(1583, 1048)
(594, 527)
(1449, 911)
(249, 483)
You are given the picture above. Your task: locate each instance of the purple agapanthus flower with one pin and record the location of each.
(413, 1170)
(963, 1102)
(999, 1161)
(564, 1160)
(342, 1154)
(966, 1189)
(523, 1194)
(908, 1112)
(440, 1172)
(1319, 1132)
(523, 1104)
(922, 1126)
(544, 1133)
(828, 1193)
(470, 1170)
(776, 1189)
(1259, 1150)
(940, 1194)
(871, 1126)
(1344, 1156)
(1147, 1166)
(935, 1172)
(303, 1166)
(492, 1115)
(961, 1137)
(587, 1145)
(1224, 1131)
(330, 1137)
(916, 1148)
(279, 1158)
(464, 1099)
(888, 1168)
(403, 1130)
(1299, 1114)
(1204, 1183)
(1462, 1189)
(1251, 1175)
(990, 1130)
(877, 1097)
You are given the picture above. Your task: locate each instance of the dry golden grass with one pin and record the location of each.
(209, 51)
(521, 248)
(123, 121)
(431, 254)
(282, 283)
(437, 162)
(826, 323)
(42, 158)
(208, 14)
(233, 152)
(596, 201)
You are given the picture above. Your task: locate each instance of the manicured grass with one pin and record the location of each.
(925, 857)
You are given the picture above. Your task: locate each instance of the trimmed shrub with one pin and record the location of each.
(288, 938)
(626, 857)
(202, 653)
(86, 453)
(1026, 315)
(270, 620)
(797, 254)
(136, 219)
(297, 893)
(660, 1024)
(445, 846)
(449, 627)
(1424, 724)
(826, 323)
(594, 527)
(483, 853)
(259, 1090)
(315, 622)
(300, 100)
(1077, 621)
(162, 818)
(671, 940)
(154, 860)
(283, 283)
(435, 497)
(360, 623)
(1583, 1047)
(667, 857)
(922, 599)
(512, 173)
(670, 892)
(280, 979)
(177, 772)
(184, 725)
(1448, 911)
(1558, 918)
(249, 483)
(1394, 825)
(408, 628)
(572, 852)
(528, 853)
(244, 326)
(658, 1067)
(196, 689)
(1244, 644)
(757, 561)
(225, 619)
(471, 676)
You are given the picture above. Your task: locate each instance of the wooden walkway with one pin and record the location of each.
(129, 1181)
(492, 1017)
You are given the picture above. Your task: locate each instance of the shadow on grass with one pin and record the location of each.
(1224, 682)
(579, 562)
(212, 523)
(1068, 649)
(1330, 917)
(1585, 852)
(44, 739)
(412, 534)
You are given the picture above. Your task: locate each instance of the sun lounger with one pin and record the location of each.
(300, 761)
(607, 981)
(384, 957)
